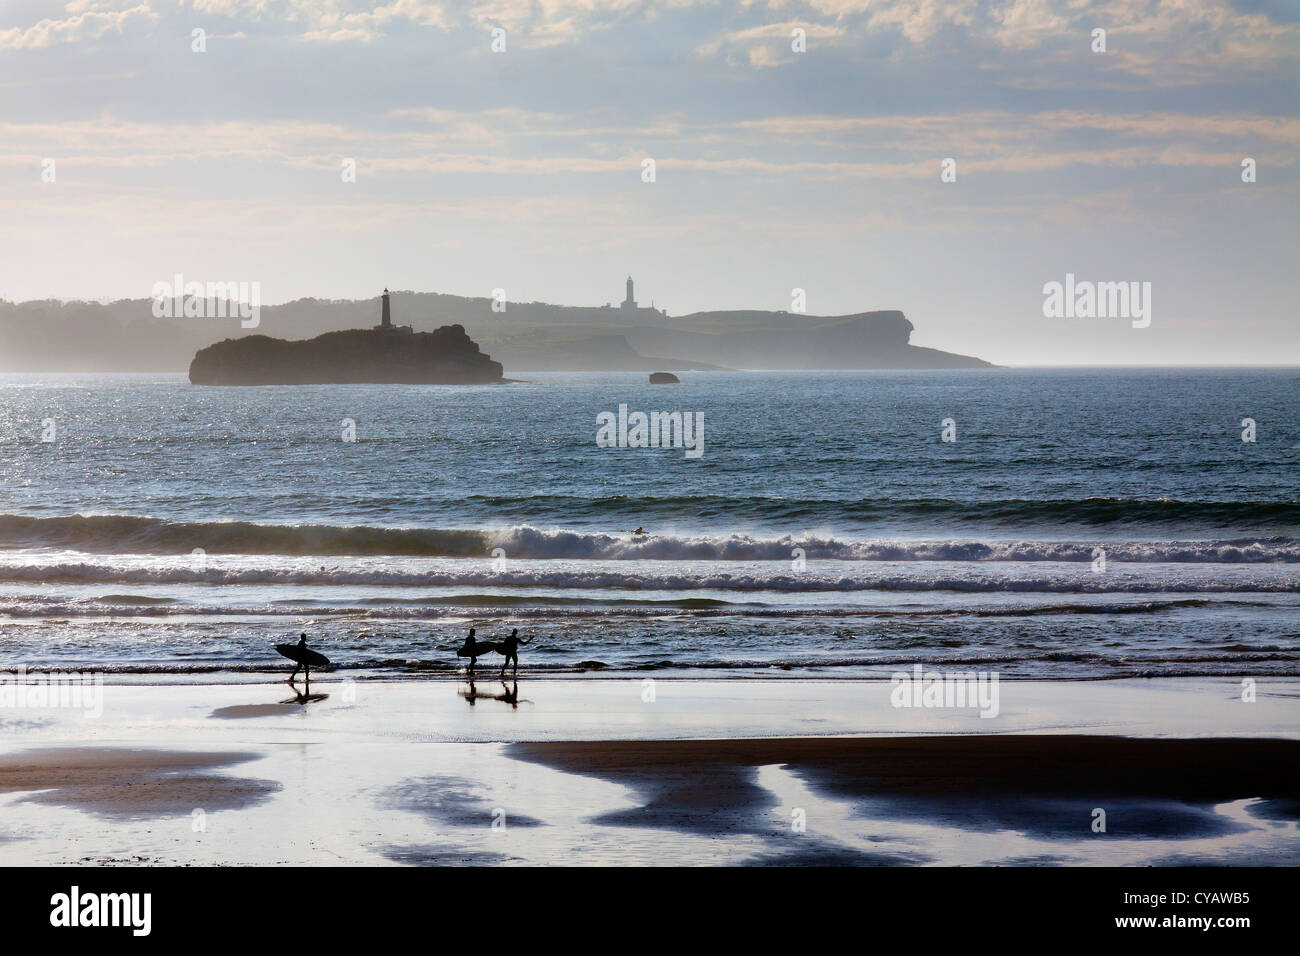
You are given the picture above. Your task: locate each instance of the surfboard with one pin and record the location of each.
(307, 656)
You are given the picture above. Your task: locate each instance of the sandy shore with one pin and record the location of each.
(123, 783)
(576, 772)
(1046, 786)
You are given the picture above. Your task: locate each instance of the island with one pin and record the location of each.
(664, 378)
(385, 355)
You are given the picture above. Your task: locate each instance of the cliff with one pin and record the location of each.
(446, 356)
(742, 339)
(782, 340)
(581, 349)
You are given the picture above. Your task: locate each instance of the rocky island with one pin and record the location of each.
(385, 354)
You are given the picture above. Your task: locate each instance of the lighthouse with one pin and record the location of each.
(386, 318)
(629, 304)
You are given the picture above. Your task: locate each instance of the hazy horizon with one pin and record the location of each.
(774, 169)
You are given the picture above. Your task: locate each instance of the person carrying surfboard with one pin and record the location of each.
(474, 649)
(302, 656)
(298, 661)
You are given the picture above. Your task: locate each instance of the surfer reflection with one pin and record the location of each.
(304, 696)
(509, 694)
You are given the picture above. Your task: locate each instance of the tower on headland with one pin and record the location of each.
(386, 318)
(630, 310)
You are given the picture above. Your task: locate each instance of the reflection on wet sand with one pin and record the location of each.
(288, 705)
(509, 694)
(970, 799)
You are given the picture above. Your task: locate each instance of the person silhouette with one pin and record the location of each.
(471, 649)
(299, 662)
(509, 648)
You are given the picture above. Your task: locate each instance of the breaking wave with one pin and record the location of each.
(127, 534)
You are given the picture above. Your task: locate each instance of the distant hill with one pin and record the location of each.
(124, 336)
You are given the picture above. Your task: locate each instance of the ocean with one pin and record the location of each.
(1082, 524)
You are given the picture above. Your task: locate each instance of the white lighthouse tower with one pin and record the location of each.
(629, 304)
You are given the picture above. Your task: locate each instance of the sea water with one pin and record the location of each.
(1066, 523)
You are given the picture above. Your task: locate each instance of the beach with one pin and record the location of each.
(593, 771)
(743, 438)
(1067, 637)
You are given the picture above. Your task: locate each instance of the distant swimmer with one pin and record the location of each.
(509, 648)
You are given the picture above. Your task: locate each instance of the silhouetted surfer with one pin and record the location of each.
(640, 531)
(299, 660)
(302, 656)
(469, 649)
(510, 648)
(474, 649)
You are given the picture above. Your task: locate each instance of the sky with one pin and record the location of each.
(222, 157)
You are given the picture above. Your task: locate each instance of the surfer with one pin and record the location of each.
(302, 656)
(640, 530)
(469, 649)
(509, 649)
(474, 649)
(300, 661)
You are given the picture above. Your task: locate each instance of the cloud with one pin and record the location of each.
(1169, 42)
(920, 20)
(541, 22)
(515, 142)
(768, 44)
(87, 22)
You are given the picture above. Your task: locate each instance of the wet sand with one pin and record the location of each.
(115, 782)
(716, 772)
(1213, 769)
(1047, 785)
